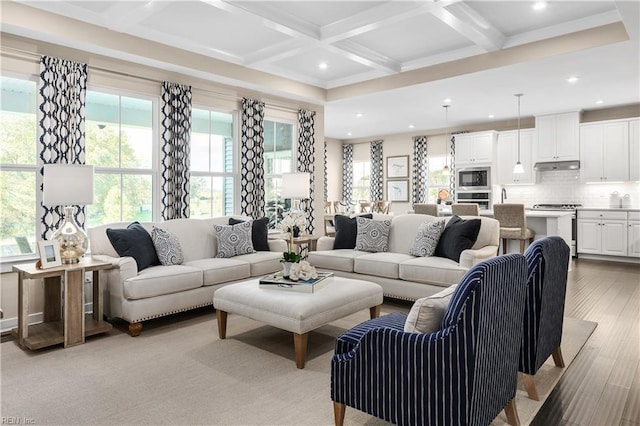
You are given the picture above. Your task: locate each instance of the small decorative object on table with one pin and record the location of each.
(311, 285)
(292, 221)
(289, 258)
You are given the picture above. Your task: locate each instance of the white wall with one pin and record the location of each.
(334, 169)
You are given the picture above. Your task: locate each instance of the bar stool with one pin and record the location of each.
(465, 209)
(513, 224)
(423, 208)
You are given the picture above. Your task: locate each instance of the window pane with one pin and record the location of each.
(136, 144)
(137, 198)
(210, 196)
(102, 144)
(200, 152)
(17, 215)
(106, 200)
(121, 198)
(18, 121)
(437, 179)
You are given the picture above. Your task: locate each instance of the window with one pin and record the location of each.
(212, 160)
(120, 145)
(436, 179)
(361, 181)
(18, 166)
(278, 159)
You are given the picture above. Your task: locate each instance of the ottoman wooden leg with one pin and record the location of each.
(300, 346)
(221, 316)
(374, 311)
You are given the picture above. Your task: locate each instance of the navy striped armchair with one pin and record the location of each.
(463, 374)
(547, 266)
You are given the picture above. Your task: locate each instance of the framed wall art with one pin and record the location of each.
(398, 167)
(49, 254)
(398, 190)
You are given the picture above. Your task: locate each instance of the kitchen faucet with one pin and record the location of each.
(503, 195)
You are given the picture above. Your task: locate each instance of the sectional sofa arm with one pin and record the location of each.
(122, 268)
(325, 243)
(470, 257)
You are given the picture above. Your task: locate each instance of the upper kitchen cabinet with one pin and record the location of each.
(604, 151)
(508, 156)
(475, 148)
(634, 150)
(558, 137)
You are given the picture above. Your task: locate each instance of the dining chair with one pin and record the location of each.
(465, 209)
(423, 208)
(381, 207)
(513, 224)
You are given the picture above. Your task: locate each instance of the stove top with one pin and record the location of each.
(567, 206)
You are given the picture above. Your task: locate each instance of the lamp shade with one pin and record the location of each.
(295, 185)
(67, 184)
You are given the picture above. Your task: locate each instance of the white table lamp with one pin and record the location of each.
(68, 185)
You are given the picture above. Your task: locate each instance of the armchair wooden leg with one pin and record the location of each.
(530, 386)
(557, 357)
(338, 413)
(512, 413)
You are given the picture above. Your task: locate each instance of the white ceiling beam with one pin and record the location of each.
(365, 56)
(276, 52)
(468, 23)
(124, 15)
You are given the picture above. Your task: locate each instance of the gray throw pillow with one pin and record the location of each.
(372, 235)
(427, 238)
(167, 246)
(234, 240)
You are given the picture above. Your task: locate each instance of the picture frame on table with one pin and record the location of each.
(398, 167)
(49, 251)
(398, 190)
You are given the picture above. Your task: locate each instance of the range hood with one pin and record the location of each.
(557, 165)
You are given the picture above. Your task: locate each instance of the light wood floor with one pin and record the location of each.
(602, 386)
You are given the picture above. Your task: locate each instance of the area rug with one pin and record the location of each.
(179, 373)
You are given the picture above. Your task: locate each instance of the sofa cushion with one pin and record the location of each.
(373, 235)
(458, 235)
(234, 239)
(218, 270)
(426, 314)
(259, 232)
(159, 280)
(380, 264)
(167, 246)
(262, 262)
(336, 260)
(346, 230)
(432, 270)
(136, 242)
(427, 238)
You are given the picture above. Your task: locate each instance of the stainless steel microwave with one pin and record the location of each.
(471, 179)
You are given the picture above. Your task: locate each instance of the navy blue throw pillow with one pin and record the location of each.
(259, 232)
(458, 235)
(346, 230)
(136, 242)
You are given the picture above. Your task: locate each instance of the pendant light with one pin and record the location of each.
(445, 170)
(518, 169)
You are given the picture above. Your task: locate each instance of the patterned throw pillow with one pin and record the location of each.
(234, 240)
(427, 238)
(167, 246)
(373, 235)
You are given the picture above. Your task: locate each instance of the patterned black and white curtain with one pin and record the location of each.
(376, 170)
(252, 159)
(326, 190)
(452, 166)
(347, 172)
(176, 139)
(62, 90)
(306, 160)
(420, 169)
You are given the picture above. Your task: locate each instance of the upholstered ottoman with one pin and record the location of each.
(296, 312)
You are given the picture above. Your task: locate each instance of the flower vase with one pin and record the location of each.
(296, 232)
(286, 269)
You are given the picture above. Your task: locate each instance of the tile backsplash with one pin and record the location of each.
(564, 186)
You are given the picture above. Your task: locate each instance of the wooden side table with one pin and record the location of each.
(64, 319)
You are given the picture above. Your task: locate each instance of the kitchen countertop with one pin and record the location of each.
(613, 209)
(528, 213)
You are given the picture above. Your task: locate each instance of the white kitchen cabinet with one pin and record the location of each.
(602, 232)
(558, 137)
(508, 156)
(633, 235)
(634, 150)
(604, 151)
(475, 148)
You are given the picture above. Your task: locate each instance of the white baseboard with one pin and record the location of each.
(7, 324)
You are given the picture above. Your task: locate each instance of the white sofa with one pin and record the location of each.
(161, 290)
(400, 274)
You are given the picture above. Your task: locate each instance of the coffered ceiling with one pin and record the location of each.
(392, 62)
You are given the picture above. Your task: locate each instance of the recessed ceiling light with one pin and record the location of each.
(348, 133)
(447, 101)
(323, 65)
(572, 79)
(491, 116)
(599, 101)
(411, 126)
(359, 114)
(540, 5)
